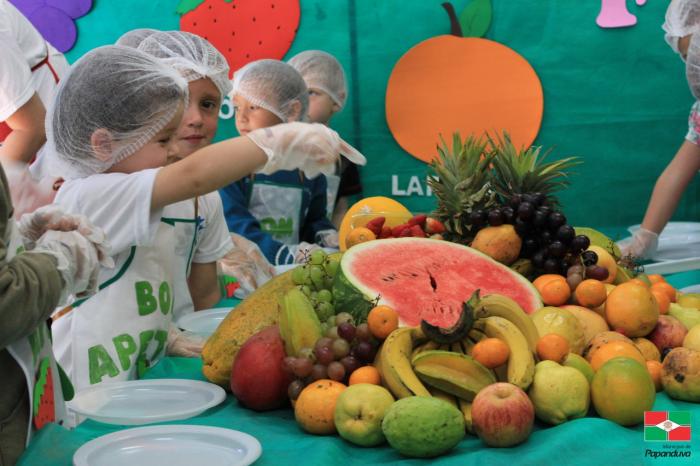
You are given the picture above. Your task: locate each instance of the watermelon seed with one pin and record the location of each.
(259, 42)
(214, 19)
(278, 28)
(433, 283)
(253, 18)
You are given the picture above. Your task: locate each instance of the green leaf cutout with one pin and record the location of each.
(185, 6)
(475, 19)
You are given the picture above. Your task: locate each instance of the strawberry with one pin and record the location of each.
(417, 231)
(406, 232)
(375, 225)
(243, 30)
(397, 230)
(386, 232)
(433, 225)
(418, 220)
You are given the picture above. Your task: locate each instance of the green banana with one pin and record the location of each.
(396, 366)
(437, 393)
(455, 373)
(428, 345)
(503, 306)
(521, 362)
(298, 322)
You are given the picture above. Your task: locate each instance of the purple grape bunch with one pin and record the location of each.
(55, 19)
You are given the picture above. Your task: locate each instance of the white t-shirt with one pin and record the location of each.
(23, 47)
(211, 242)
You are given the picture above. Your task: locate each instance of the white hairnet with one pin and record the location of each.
(194, 57)
(273, 85)
(134, 37)
(692, 66)
(322, 71)
(128, 94)
(682, 19)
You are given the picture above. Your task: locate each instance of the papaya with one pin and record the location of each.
(257, 311)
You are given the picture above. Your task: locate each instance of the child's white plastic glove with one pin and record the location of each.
(248, 264)
(51, 217)
(183, 344)
(310, 147)
(642, 244)
(302, 251)
(77, 261)
(27, 193)
(327, 238)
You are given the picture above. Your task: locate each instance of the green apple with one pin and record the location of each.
(559, 393)
(359, 412)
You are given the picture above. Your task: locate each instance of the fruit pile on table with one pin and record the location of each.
(510, 314)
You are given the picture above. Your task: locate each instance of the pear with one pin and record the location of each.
(689, 316)
(559, 393)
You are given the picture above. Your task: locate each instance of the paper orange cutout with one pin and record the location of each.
(471, 85)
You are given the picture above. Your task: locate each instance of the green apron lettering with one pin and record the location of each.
(165, 298)
(36, 340)
(281, 227)
(145, 300)
(125, 346)
(162, 338)
(142, 362)
(100, 364)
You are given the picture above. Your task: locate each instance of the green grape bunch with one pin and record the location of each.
(315, 280)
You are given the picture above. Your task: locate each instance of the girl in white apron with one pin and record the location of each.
(284, 213)
(112, 159)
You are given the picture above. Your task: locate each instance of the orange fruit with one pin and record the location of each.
(666, 288)
(315, 406)
(359, 235)
(655, 278)
(552, 347)
(613, 350)
(637, 281)
(655, 368)
(631, 310)
(553, 289)
(622, 390)
(382, 320)
(591, 293)
(491, 352)
(599, 340)
(661, 299)
(365, 374)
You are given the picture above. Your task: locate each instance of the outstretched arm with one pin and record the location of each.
(27, 135)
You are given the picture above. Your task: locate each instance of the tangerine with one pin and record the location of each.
(359, 235)
(591, 293)
(655, 368)
(365, 374)
(553, 289)
(491, 352)
(666, 288)
(632, 310)
(615, 349)
(315, 407)
(655, 278)
(553, 347)
(599, 340)
(661, 299)
(382, 320)
(637, 281)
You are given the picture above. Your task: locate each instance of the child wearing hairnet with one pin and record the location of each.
(61, 259)
(110, 133)
(681, 27)
(325, 79)
(283, 213)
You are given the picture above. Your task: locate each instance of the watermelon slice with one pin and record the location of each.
(44, 403)
(423, 279)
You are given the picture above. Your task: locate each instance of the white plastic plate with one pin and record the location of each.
(280, 269)
(137, 402)
(175, 445)
(203, 322)
(691, 289)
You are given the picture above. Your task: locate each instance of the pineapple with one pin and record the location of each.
(525, 172)
(460, 182)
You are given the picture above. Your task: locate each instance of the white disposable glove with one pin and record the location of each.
(310, 147)
(51, 217)
(327, 238)
(183, 344)
(642, 244)
(302, 251)
(248, 264)
(77, 261)
(27, 193)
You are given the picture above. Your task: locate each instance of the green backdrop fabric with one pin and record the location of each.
(615, 97)
(584, 441)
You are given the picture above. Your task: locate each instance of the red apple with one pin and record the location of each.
(502, 415)
(258, 378)
(668, 333)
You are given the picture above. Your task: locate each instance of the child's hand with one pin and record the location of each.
(183, 344)
(310, 147)
(248, 264)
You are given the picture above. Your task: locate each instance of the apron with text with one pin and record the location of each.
(122, 330)
(333, 182)
(188, 225)
(278, 209)
(35, 357)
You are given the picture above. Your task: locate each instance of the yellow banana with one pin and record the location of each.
(503, 306)
(467, 345)
(427, 346)
(521, 362)
(396, 363)
(466, 408)
(437, 393)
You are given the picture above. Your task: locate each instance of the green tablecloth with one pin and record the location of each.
(581, 442)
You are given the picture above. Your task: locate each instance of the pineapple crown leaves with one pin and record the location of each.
(525, 170)
(185, 6)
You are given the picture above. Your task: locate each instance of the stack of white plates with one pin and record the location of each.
(203, 323)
